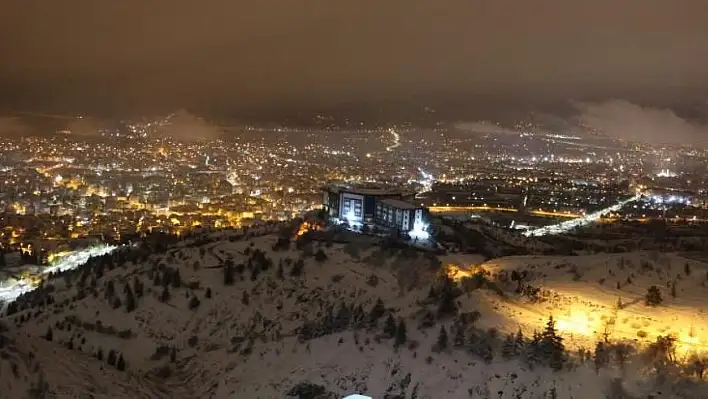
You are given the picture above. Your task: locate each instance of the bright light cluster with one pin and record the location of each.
(582, 221)
(10, 290)
(420, 231)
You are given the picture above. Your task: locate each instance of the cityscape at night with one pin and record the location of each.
(463, 200)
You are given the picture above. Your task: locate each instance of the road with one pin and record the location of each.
(11, 288)
(396, 140)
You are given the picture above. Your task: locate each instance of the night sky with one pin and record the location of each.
(116, 55)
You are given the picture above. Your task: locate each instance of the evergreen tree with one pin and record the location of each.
(111, 359)
(552, 345)
(165, 294)
(459, 339)
(602, 356)
(447, 305)
(343, 318)
(509, 347)
(377, 311)
(534, 352)
(653, 296)
(390, 326)
(176, 279)
(120, 364)
(443, 341)
(296, 270)
(110, 290)
(138, 287)
(401, 334)
(245, 298)
(484, 348)
(519, 342)
(130, 303)
(193, 303)
(229, 274)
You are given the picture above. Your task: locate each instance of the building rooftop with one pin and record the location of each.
(398, 203)
(367, 190)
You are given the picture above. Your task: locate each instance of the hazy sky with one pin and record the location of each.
(172, 53)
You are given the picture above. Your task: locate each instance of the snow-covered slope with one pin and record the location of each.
(231, 316)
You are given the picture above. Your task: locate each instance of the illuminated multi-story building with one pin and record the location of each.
(387, 207)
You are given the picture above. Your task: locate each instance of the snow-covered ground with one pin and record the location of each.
(208, 337)
(584, 292)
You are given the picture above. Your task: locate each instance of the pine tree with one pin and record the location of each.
(533, 354)
(443, 341)
(120, 364)
(343, 317)
(110, 290)
(459, 339)
(653, 296)
(194, 303)
(138, 287)
(552, 346)
(602, 356)
(390, 326)
(509, 347)
(519, 342)
(401, 334)
(447, 305)
(176, 279)
(165, 294)
(377, 311)
(111, 359)
(130, 303)
(245, 298)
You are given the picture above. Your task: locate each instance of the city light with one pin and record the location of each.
(10, 290)
(419, 231)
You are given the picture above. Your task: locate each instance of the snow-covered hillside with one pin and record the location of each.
(228, 315)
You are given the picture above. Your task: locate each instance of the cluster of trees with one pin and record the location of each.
(543, 349)
(113, 359)
(444, 293)
(345, 317)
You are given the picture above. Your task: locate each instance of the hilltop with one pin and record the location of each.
(257, 313)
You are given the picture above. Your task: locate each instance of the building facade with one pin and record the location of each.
(381, 206)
